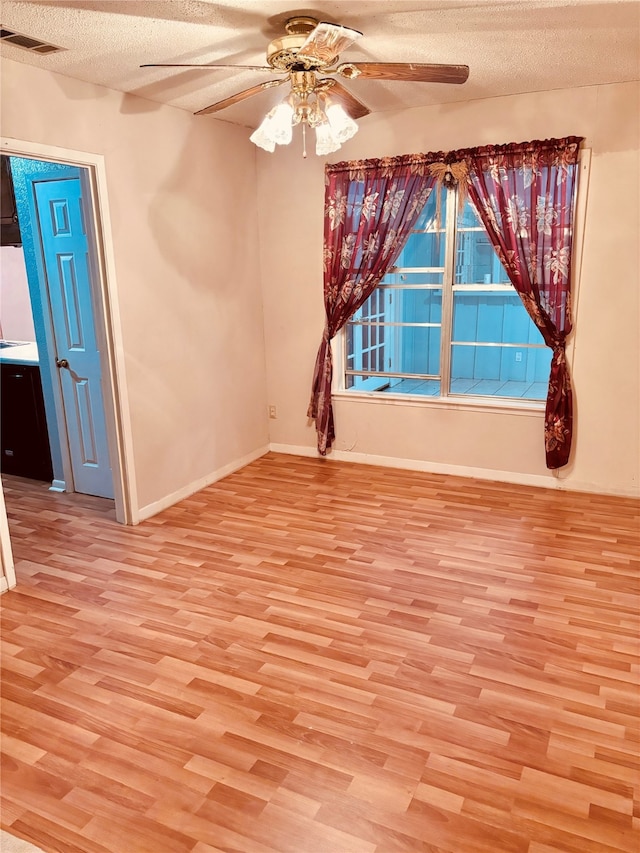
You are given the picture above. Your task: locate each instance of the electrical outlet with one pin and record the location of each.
(272, 412)
(518, 356)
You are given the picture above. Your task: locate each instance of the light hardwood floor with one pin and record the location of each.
(317, 657)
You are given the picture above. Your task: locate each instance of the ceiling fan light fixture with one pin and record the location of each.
(281, 126)
(276, 128)
(343, 127)
(331, 122)
(263, 137)
(326, 142)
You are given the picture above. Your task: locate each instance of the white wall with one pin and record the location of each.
(16, 320)
(605, 346)
(184, 221)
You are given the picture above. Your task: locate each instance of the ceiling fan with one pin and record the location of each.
(308, 49)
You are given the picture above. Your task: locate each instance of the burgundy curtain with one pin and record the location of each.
(524, 194)
(370, 209)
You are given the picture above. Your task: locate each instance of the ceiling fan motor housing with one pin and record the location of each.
(282, 52)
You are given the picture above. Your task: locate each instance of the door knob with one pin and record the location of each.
(62, 362)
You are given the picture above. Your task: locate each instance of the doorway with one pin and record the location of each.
(89, 181)
(59, 254)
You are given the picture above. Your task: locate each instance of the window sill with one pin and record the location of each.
(533, 408)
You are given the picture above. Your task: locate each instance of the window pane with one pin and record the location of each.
(492, 316)
(423, 387)
(427, 217)
(401, 305)
(349, 345)
(394, 385)
(404, 349)
(367, 383)
(423, 250)
(419, 306)
(476, 260)
(413, 278)
(500, 371)
(370, 308)
(383, 343)
(418, 351)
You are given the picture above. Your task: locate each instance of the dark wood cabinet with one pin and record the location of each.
(23, 428)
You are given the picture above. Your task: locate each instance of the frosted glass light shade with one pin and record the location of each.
(282, 123)
(343, 126)
(263, 137)
(326, 142)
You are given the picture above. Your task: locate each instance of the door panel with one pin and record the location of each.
(71, 307)
(84, 414)
(66, 262)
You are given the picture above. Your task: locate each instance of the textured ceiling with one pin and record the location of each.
(510, 47)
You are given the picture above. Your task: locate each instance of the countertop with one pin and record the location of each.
(23, 353)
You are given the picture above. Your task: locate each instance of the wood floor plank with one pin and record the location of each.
(318, 657)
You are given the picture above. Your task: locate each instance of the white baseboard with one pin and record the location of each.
(195, 486)
(549, 481)
(58, 486)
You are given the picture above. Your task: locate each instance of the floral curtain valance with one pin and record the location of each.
(521, 151)
(523, 192)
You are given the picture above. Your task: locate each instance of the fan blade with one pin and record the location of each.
(240, 96)
(407, 71)
(337, 92)
(325, 43)
(207, 66)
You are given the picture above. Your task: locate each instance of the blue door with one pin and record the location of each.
(67, 268)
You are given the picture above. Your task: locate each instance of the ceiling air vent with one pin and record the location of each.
(26, 42)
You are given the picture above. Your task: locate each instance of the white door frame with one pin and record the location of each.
(107, 319)
(7, 571)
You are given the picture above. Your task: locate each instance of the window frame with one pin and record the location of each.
(447, 399)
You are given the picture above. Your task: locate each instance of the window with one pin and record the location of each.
(446, 321)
